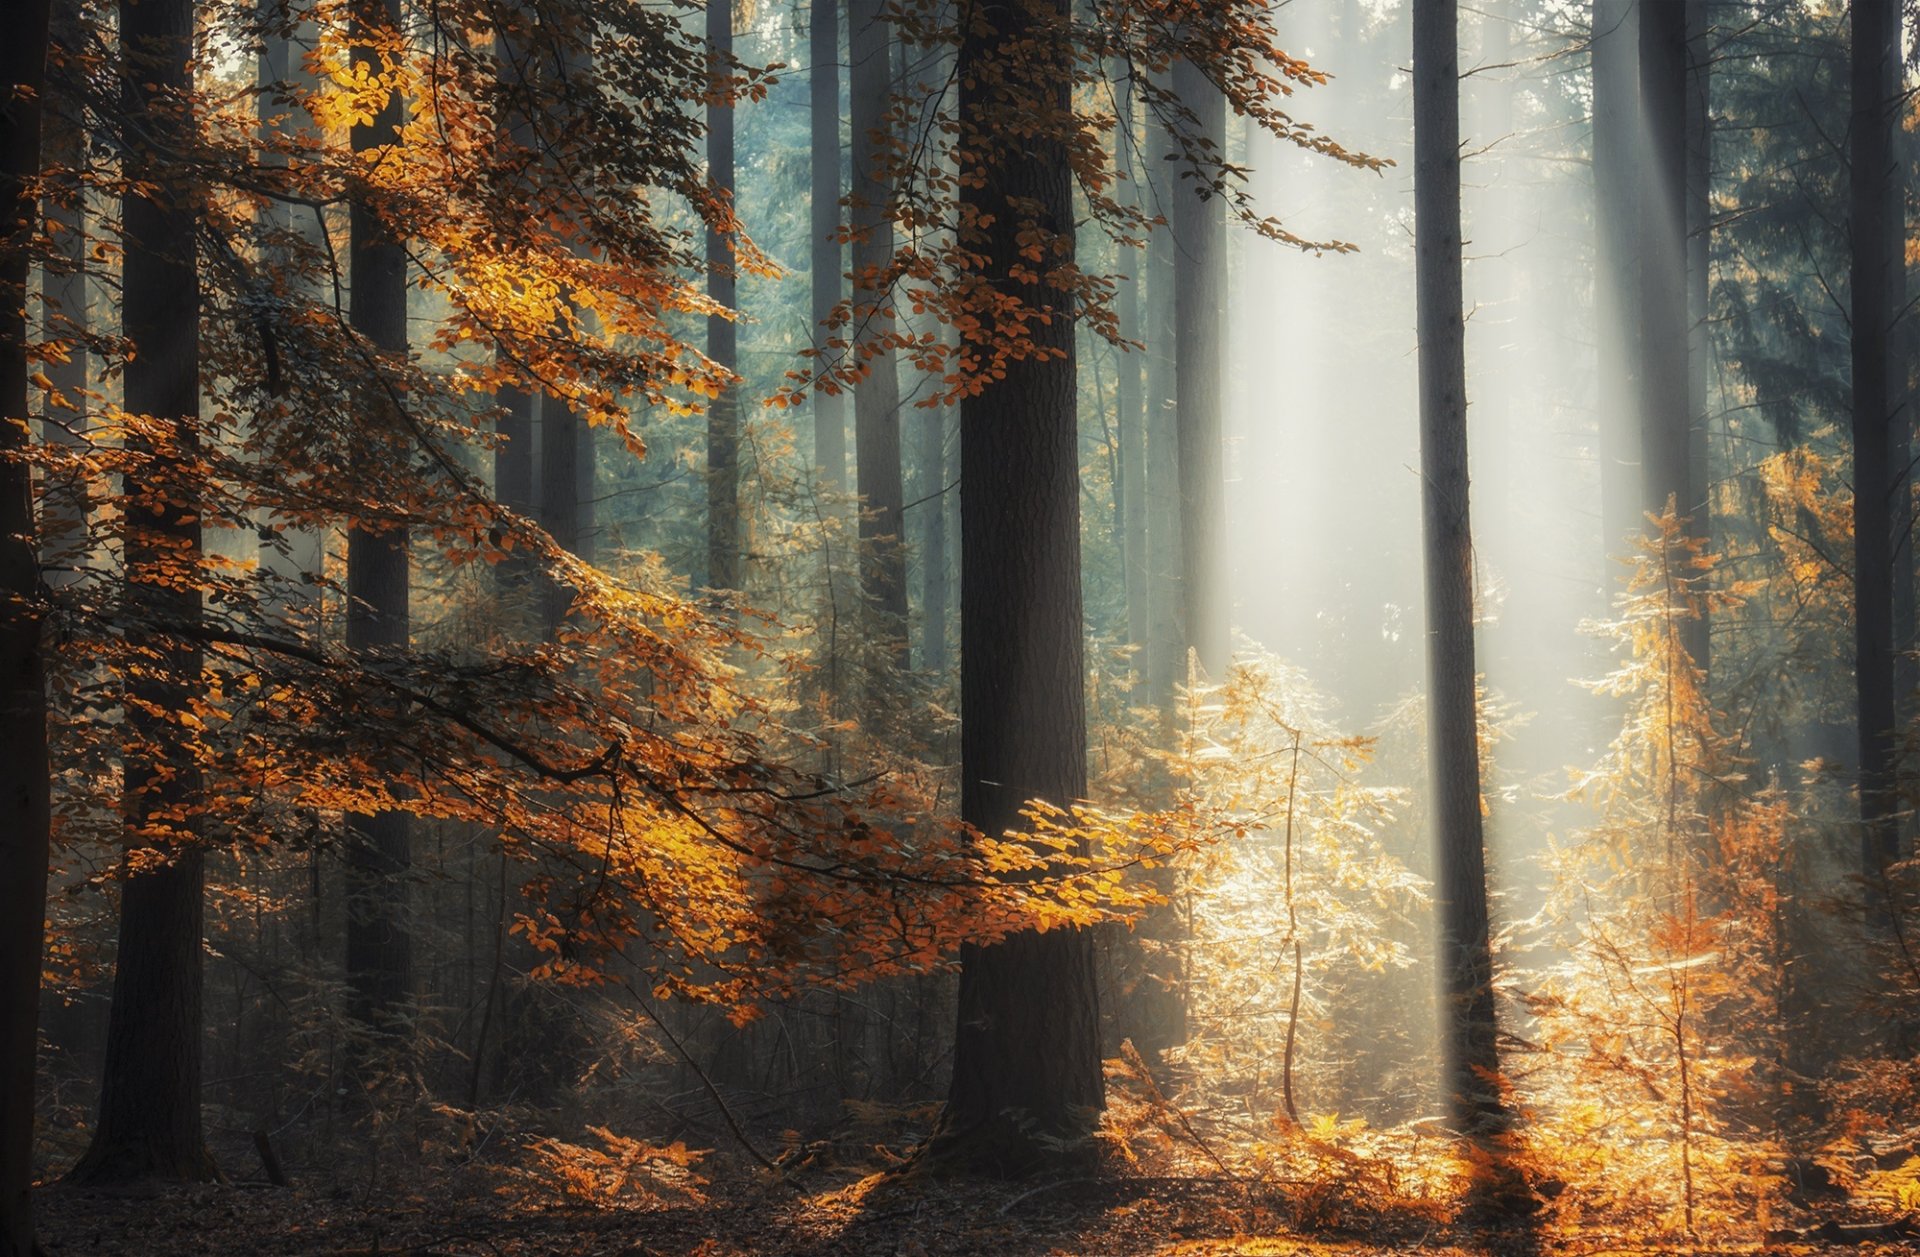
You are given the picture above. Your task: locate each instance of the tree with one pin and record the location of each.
(379, 845)
(723, 413)
(1199, 232)
(828, 273)
(876, 394)
(24, 789)
(1667, 414)
(1460, 882)
(1129, 398)
(1616, 182)
(1876, 246)
(149, 1122)
(1026, 1065)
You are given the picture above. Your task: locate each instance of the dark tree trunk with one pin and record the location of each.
(63, 536)
(1616, 181)
(1026, 1066)
(1876, 253)
(933, 546)
(379, 848)
(1699, 237)
(1460, 883)
(1129, 393)
(876, 398)
(829, 255)
(1666, 406)
(1199, 231)
(723, 412)
(149, 1121)
(23, 707)
(561, 431)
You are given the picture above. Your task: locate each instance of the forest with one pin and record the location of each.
(1167, 628)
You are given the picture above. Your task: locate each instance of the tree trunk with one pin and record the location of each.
(1460, 884)
(1666, 406)
(378, 852)
(723, 412)
(829, 255)
(876, 398)
(1875, 255)
(1616, 180)
(64, 538)
(1199, 232)
(1129, 397)
(1166, 660)
(933, 546)
(149, 1122)
(1026, 1066)
(1699, 239)
(24, 781)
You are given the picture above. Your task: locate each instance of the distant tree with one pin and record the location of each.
(1200, 238)
(1615, 51)
(24, 786)
(149, 1121)
(1460, 881)
(379, 845)
(876, 394)
(723, 413)
(828, 254)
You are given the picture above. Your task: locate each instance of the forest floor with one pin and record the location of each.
(1118, 1214)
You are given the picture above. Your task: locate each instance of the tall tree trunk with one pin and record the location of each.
(1616, 181)
(876, 398)
(23, 706)
(1166, 659)
(1876, 252)
(723, 412)
(1026, 1064)
(829, 255)
(378, 853)
(933, 545)
(149, 1122)
(292, 555)
(722, 342)
(1699, 240)
(1460, 883)
(1666, 409)
(1129, 394)
(64, 537)
(1199, 232)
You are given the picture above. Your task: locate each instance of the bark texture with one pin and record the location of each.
(1460, 883)
(829, 254)
(379, 847)
(1616, 183)
(1876, 253)
(149, 1123)
(1026, 1067)
(723, 412)
(24, 818)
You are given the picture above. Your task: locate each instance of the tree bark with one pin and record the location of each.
(723, 412)
(1616, 179)
(1166, 659)
(378, 853)
(876, 398)
(1199, 232)
(1131, 418)
(1875, 254)
(1699, 240)
(1026, 1068)
(1460, 885)
(933, 546)
(24, 783)
(149, 1123)
(829, 255)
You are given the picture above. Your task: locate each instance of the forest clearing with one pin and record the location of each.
(1141, 627)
